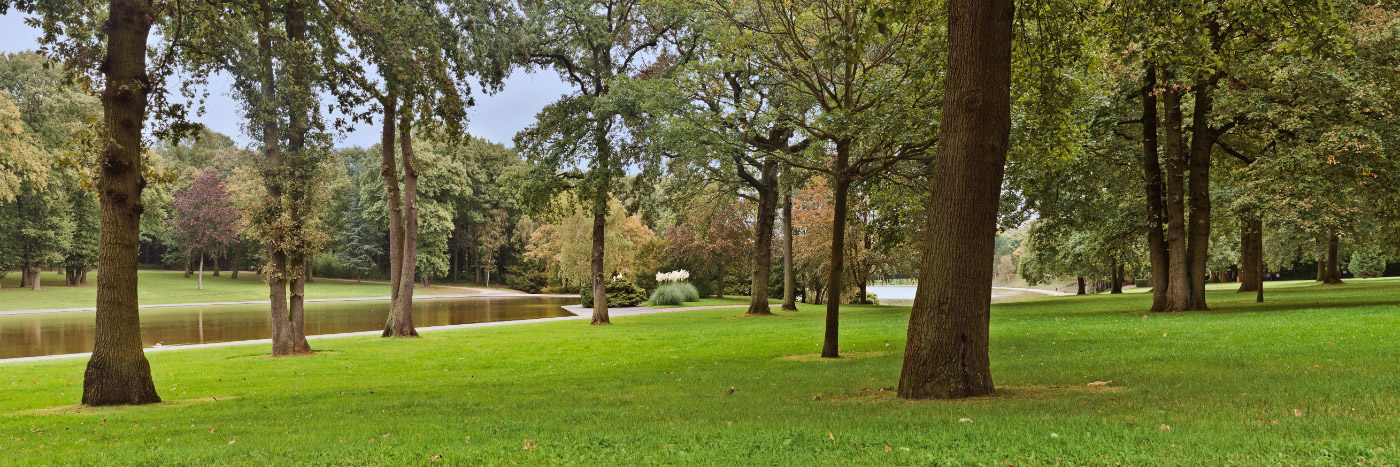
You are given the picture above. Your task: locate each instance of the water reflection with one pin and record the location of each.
(71, 332)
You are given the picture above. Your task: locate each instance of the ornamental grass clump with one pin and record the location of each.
(673, 289)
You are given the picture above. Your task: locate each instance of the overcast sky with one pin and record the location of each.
(496, 118)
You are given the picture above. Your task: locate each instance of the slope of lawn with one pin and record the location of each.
(1310, 377)
(166, 287)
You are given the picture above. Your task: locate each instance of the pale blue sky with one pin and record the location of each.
(496, 118)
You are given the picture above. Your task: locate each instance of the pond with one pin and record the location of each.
(33, 335)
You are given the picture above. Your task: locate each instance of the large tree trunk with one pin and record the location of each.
(1080, 280)
(763, 239)
(841, 183)
(189, 266)
(789, 287)
(298, 125)
(38, 281)
(201, 273)
(1152, 175)
(1334, 269)
(1202, 141)
(400, 322)
(236, 260)
(1251, 254)
(946, 355)
(118, 372)
(1179, 267)
(603, 166)
(1117, 286)
(388, 170)
(215, 259)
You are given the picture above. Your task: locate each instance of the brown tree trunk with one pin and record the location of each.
(1334, 268)
(201, 273)
(403, 325)
(284, 340)
(946, 355)
(1251, 255)
(763, 239)
(1152, 175)
(189, 266)
(1202, 141)
(236, 260)
(1117, 286)
(310, 272)
(1322, 266)
(118, 372)
(841, 183)
(789, 287)
(1080, 280)
(215, 259)
(1179, 261)
(82, 277)
(603, 166)
(38, 281)
(298, 124)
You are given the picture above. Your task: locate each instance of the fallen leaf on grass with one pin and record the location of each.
(1165, 427)
(1100, 383)
(530, 445)
(430, 459)
(829, 435)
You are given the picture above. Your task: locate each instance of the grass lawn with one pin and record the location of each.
(1310, 377)
(164, 287)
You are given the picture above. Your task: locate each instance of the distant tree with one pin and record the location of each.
(713, 238)
(358, 239)
(204, 220)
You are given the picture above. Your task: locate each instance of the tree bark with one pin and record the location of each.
(236, 260)
(401, 318)
(118, 372)
(1334, 268)
(1202, 141)
(1251, 254)
(1117, 286)
(1179, 262)
(189, 266)
(763, 239)
(38, 281)
(1080, 280)
(946, 355)
(215, 259)
(841, 182)
(789, 287)
(201, 273)
(603, 165)
(1152, 175)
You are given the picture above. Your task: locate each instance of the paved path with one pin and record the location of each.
(579, 312)
(1055, 293)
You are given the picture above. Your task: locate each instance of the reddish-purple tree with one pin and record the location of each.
(205, 221)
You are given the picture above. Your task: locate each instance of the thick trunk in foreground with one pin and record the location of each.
(1251, 255)
(118, 372)
(1080, 280)
(947, 351)
(842, 184)
(1202, 141)
(789, 288)
(38, 276)
(599, 283)
(400, 323)
(215, 259)
(1334, 269)
(388, 170)
(1117, 280)
(763, 240)
(1179, 261)
(1152, 177)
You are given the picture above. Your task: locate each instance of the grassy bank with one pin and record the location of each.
(166, 287)
(1310, 377)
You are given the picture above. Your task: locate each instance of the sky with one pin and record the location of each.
(495, 117)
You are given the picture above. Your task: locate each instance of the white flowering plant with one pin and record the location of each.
(673, 276)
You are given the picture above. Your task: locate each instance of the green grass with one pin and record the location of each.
(1310, 377)
(165, 287)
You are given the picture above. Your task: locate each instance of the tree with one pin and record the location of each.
(858, 63)
(359, 241)
(947, 351)
(591, 43)
(713, 236)
(204, 221)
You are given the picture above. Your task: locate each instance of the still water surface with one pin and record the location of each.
(71, 332)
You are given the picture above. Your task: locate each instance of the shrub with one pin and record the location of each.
(668, 294)
(621, 292)
(527, 276)
(1367, 263)
(689, 291)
